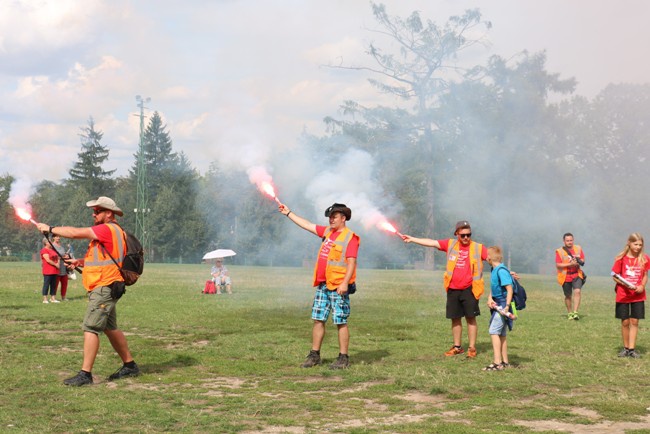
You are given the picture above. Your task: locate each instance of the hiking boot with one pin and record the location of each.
(313, 359)
(471, 353)
(570, 316)
(125, 371)
(453, 351)
(624, 352)
(633, 354)
(342, 362)
(576, 317)
(80, 379)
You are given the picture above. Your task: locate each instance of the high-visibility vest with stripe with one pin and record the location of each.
(99, 268)
(337, 264)
(564, 256)
(475, 260)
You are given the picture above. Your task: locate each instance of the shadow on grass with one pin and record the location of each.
(14, 307)
(369, 357)
(180, 361)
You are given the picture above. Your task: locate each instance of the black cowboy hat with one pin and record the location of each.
(339, 207)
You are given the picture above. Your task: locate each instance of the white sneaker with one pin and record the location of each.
(46, 302)
(55, 301)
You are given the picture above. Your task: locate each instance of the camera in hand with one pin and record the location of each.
(579, 261)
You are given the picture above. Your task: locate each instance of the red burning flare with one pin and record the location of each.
(268, 189)
(24, 214)
(389, 227)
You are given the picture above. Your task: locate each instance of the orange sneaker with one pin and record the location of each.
(471, 353)
(454, 351)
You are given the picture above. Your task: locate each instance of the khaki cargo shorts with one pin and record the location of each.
(100, 314)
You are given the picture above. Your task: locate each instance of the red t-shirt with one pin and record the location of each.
(462, 275)
(571, 272)
(104, 236)
(49, 269)
(321, 263)
(627, 267)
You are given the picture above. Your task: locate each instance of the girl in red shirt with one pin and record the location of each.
(632, 266)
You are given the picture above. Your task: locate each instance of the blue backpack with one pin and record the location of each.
(519, 295)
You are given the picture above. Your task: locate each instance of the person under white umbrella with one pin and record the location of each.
(220, 276)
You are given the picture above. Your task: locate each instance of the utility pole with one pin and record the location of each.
(142, 197)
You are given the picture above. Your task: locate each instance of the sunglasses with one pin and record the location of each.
(98, 211)
(465, 235)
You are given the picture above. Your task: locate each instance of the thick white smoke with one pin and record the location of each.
(350, 181)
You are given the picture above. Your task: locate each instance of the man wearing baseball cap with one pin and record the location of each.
(463, 281)
(104, 284)
(334, 276)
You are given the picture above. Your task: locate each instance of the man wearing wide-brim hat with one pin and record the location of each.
(334, 276)
(104, 284)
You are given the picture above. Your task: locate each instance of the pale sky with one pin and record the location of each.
(237, 79)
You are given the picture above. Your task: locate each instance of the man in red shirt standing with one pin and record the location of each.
(334, 277)
(463, 281)
(105, 285)
(568, 260)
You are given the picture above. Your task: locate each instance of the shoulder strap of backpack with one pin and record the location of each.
(566, 249)
(499, 279)
(109, 253)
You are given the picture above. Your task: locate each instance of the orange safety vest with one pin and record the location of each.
(564, 256)
(475, 249)
(99, 268)
(337, 263)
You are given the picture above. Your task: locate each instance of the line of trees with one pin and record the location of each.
(505, 145)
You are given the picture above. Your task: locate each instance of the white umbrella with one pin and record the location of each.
(219, 253)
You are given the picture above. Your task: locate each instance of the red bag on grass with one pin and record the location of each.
(209, 287)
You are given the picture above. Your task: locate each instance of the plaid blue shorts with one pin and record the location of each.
(326, 301)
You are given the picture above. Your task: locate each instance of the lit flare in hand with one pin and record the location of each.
(25, 215)
(267, 188)
(385, 225)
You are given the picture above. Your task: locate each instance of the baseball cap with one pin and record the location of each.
(462, 224)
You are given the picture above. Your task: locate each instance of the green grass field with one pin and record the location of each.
(230, 363)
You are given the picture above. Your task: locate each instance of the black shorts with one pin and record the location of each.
(462, 303)
(630, 310)
(568, 287)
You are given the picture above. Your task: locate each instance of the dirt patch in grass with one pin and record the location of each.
(377, 421)
(602, 427)
(316, 379)
(360, 387)
(278, 429)
(226, 382)
(424, 398)
(369, 404)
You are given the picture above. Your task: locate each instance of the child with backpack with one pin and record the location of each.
(499, 299)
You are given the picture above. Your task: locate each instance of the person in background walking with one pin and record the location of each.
(568, 260)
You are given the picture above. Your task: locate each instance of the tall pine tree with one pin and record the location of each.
(88, 171)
